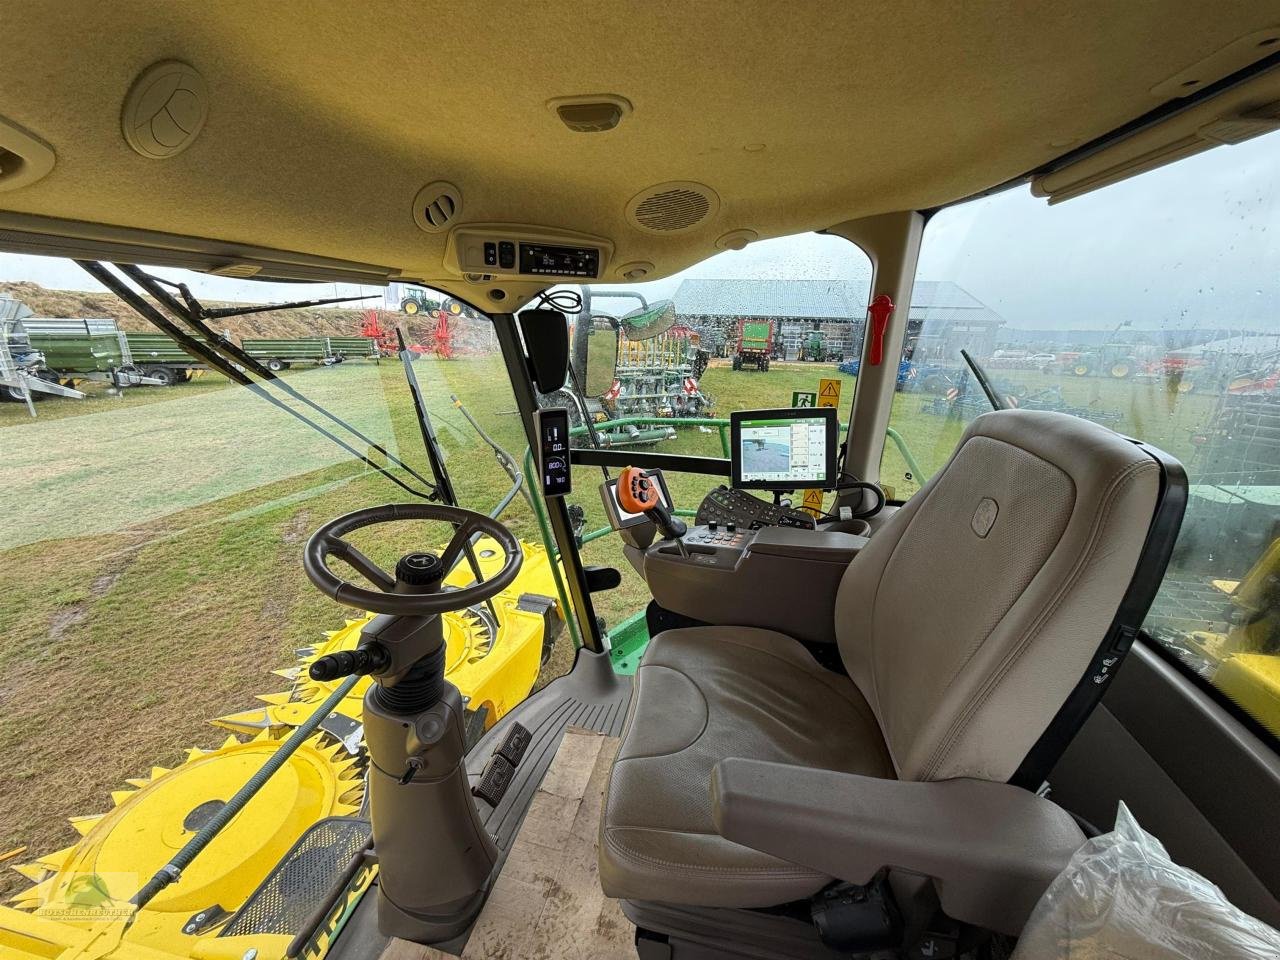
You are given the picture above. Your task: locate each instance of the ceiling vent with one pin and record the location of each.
(437, 206)
(673, 207)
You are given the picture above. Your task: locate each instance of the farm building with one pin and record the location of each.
(943, 316)
(836, 308)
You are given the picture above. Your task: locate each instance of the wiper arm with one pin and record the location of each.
(202, 312)
(997, 402)
(505, 460)
(209, 353)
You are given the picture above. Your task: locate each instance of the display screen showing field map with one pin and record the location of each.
(778, 451)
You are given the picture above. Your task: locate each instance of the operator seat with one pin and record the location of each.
(965, 624)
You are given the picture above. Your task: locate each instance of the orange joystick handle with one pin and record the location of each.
(638, 493)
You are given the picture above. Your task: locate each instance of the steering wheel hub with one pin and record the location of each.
(420, 569)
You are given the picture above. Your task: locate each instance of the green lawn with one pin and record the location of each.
(149, 544)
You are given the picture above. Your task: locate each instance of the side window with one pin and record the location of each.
(1153, 307)
(759, 328)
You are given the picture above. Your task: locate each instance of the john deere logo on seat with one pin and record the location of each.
(984, 518)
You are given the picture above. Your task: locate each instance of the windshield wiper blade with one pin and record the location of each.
(997, 402)
(209, 353)
(505, 460)
(153, 286)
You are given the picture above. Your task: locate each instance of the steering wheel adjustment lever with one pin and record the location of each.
(363, 660)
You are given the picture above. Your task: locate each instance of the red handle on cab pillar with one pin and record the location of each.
(878, 314)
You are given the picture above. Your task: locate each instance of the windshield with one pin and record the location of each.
(155, 511)
(1150, 306)
(665, 363)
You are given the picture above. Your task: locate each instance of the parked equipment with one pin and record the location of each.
(161, 359)
(417, 301)
(91, 348)
(23, 376)
(281, 354)
(754, 344)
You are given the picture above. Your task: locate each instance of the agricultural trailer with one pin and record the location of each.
(281, 354)
(91, 348)
(23, 376)
(754, 343)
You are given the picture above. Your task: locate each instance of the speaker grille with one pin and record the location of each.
(673, 207)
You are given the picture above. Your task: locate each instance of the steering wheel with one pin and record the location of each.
(328, 541)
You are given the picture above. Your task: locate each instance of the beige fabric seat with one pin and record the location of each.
(964, 625)
(706, 693)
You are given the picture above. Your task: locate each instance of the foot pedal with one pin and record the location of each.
(495, 780)
(514, 744)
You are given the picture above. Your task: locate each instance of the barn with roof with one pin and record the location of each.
(944, 316)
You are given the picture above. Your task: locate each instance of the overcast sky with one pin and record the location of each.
(1193, 244)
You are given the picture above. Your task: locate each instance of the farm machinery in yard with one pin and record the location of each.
(42, 357)
(281, 354)
(23, 375)
(650, 369)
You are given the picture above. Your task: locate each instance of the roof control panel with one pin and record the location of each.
(515, 251)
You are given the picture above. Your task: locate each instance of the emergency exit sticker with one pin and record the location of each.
(828, 392)
(812, 503)
(803, 398)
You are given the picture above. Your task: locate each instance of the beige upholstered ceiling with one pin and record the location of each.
(326, 118)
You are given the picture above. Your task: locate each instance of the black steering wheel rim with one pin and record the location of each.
(328, 541)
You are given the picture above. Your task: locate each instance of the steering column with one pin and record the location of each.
(435, 858)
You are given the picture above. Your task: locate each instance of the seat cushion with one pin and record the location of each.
(703, 694)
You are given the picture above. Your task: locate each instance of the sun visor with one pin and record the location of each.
(1239, 113)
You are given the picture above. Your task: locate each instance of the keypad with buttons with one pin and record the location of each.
(724, 506)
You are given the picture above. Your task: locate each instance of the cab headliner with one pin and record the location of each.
(325, 120)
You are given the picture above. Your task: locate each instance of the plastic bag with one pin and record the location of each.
(1122, 898)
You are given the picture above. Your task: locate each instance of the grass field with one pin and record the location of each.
(150, 543)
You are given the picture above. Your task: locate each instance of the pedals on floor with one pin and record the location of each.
(514, 744)
(501, 768)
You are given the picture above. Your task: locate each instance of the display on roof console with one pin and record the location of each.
(545, 258)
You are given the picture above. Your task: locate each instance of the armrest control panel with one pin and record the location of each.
(723, 574)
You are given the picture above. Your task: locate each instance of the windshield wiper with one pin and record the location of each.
(505, 460)
(997, 402)
(194, 316)
(209, 352)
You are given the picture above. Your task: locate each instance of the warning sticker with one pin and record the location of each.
(828, 392)
(812, 503)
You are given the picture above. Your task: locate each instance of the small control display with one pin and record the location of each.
(545, 258)
(553, 451)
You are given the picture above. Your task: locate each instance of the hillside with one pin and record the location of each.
(317, 321)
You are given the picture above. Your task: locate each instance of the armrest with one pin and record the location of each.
(807, 544)
(992, 849)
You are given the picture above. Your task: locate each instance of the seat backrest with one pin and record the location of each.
(976, 610)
